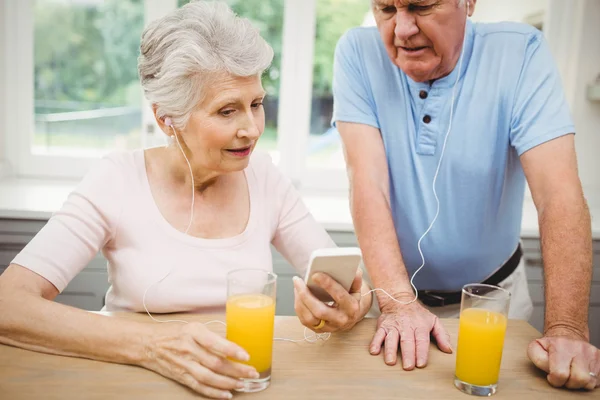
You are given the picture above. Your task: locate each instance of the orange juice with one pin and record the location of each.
(480, 341)
(250, 319)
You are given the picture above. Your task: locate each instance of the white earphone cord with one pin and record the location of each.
(186, 231)
(325, 336)
(433, 186)
(309, 338)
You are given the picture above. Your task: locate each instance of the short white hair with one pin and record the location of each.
(181, 51)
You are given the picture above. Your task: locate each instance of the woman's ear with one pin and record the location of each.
(164, 124)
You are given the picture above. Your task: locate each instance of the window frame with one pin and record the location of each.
(294, 113)
(19, 25)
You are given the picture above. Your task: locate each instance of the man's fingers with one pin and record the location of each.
(592, 384)
(568, 362)
(378, 338)
(579, 375)
(391, 347)
(536, 351)
(422, 346)
(408, 349)
(441, 336)
(560, 366)
(595, 369)
(413, 333)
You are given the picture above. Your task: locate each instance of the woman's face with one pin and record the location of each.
(222, 132)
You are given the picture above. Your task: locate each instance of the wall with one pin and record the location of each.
(572, 29)
(585, 113)
(507, 10)
(579, 66)
(3, 60)
(578, 58)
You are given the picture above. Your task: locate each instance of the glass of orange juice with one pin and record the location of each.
(481, 331)
(250, 316)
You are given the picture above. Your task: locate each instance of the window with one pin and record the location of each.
(77, 96)
(87, 96)
(324, 150)
(531, 12)
(71, 77)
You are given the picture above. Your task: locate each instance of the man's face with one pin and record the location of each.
(422, 37)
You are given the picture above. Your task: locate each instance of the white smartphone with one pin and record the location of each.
(341, 263)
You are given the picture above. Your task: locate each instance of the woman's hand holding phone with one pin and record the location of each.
(348, 308)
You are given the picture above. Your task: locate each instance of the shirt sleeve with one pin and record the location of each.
(296, 232)
(73, 236)
(352, 100)
(540, 110)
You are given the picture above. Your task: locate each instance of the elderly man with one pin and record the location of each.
(442, 121)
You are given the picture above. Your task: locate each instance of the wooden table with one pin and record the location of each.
(340, 368)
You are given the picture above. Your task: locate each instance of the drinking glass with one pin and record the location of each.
(250, 316)
(482, 327)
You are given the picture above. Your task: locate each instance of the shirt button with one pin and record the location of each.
(427, 119)
(423, 94)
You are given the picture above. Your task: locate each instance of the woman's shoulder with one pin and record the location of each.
(112, 171)
(120, 164)
(124, 159)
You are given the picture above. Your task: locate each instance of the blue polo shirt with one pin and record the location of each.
(509, 99)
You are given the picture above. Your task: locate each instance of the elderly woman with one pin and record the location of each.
(172, 221)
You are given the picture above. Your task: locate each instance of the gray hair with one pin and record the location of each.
(180, 51)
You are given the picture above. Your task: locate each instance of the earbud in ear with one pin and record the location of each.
(467, 7)
(168, 121)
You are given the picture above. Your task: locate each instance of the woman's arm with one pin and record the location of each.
(87, 222)
(187, 353)
(297, 235)
(31, 320)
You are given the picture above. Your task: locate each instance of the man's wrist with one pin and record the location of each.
(567, 330)
(398, 298)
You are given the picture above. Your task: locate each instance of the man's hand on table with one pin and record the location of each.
(408, 326)
(568, 359)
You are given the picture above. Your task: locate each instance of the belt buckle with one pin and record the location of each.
(433, 300)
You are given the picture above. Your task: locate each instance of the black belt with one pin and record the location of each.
(432, 298)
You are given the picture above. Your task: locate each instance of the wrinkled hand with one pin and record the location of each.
(568, 360)
(196, 357)
(408, 326)
(341, 316)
